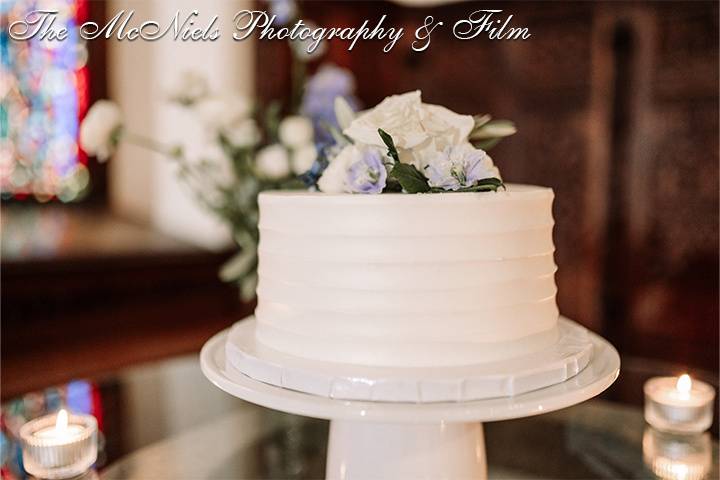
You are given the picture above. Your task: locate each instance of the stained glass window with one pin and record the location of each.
(44, 93)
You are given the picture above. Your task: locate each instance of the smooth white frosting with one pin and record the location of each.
(407, 280)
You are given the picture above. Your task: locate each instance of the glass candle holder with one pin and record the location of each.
(679, 404)
(677, 456)
(58, 446)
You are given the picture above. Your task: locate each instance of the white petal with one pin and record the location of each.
(344, 114)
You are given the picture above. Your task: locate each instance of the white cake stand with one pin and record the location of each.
(386, 440)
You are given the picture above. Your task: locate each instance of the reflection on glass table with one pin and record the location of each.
(165, 420)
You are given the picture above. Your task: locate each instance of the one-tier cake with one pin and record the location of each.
(408, 271)
(407, 280)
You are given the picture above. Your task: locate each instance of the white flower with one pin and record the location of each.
(356, 169)
(243, 133)
(419, 130)
(303, 158)
(222, 111)
(188, 87)
(272, 162)
(459, 166)
(334, 176)
(295, 131)
(100, 129)
(309, 49)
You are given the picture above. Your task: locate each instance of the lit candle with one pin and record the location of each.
(679, 404)
(60, 445)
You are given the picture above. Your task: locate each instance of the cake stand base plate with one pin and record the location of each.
(410, 440)
(555, 363)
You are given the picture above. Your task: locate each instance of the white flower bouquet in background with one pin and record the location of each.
(251, 148)
(316, 142)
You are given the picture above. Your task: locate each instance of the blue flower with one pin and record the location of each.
(284, 10)
(318, 101)
(355, 169)
(311, 177)
(458, 167)
(367, 174)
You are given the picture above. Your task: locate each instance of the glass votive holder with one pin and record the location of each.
(677, 456)
(59, 446)
(679, 404)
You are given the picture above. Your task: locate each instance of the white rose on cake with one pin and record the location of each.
(419, 130)
(100, 129)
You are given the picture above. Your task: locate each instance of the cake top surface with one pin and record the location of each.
(513, 191)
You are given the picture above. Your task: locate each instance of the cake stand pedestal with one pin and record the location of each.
(386, 440)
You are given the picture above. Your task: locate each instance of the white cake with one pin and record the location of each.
(407, 280)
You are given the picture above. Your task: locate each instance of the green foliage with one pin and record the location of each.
(484, 185)
(488, 132)
(390, 144)
(410, 178)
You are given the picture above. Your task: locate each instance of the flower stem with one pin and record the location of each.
(297, 82)
(187, 173)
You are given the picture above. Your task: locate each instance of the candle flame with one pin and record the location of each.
(684, 383)
(61, 422)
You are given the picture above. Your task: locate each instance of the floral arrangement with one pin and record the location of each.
(401, 145)
(404, 145)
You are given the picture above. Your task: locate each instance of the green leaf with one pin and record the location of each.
(486, 144)
(392, 186)
(493, 129)
(272, 120)
(410, 178)
(238, 266)
(481, 120)
(340, 138)
(388, 141)
(248, 286)
(487, 133)
(485, 185)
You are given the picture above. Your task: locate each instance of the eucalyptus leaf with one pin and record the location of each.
(410, 178)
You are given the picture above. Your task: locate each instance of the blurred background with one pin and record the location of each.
(106, 266)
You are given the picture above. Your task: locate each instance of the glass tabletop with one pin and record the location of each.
(165, 420)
